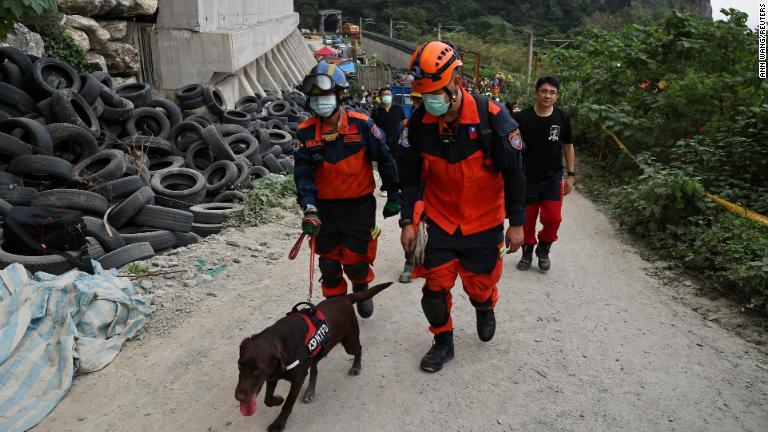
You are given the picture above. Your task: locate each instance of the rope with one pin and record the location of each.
(420, 244)
(315, 222)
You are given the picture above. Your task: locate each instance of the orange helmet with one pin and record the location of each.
(432, 65)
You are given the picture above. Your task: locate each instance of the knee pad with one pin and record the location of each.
(486, 305)
(435, 307)
(330, 271)
(357, 271)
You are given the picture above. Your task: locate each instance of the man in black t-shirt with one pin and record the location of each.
(546, 131)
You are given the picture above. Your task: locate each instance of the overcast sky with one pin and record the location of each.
(749, 6)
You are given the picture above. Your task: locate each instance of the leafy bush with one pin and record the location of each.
(61, 45)
(272, 193)
(684, 96)
(657, 200)
(24, 11)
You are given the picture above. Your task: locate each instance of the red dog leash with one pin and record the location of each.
(315, 222)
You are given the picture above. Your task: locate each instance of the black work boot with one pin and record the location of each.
(525, 262)
(364, 308)
(486, 324)
(440, 352)
(542, 252)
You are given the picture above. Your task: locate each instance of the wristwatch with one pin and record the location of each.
(404, 222)
(571, 174)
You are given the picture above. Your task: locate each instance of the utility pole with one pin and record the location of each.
(390, 27)
(530, 61)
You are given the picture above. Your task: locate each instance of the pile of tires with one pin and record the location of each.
(364, 108)
(149, 173)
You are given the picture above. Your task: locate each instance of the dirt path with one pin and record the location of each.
(595, 345)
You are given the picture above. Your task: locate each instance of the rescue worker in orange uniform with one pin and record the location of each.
(463, 168)
(334, 183)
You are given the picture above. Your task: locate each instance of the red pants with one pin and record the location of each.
(346, 243)
(480, 288)
(358, 268)
(475, 258)
(549, 212)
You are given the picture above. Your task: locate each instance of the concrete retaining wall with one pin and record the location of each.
(394, 52)
(207, 15)
(243, 46)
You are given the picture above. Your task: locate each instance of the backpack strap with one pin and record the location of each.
(486, 133)
(82, 264)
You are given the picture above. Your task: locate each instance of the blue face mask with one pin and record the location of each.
(386, 99)
(324, 106)
(435, 104)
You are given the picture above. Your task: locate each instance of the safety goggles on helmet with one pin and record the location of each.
(317, 84)
(418, 73)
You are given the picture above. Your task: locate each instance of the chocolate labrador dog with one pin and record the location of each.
(294, 345)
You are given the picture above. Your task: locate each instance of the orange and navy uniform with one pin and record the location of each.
(341, 168)
(464, 187)
(334, 173)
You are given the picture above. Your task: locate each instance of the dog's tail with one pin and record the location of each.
(368, 293)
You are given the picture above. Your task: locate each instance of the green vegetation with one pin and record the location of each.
(136, 269)
(270, 194)
(684, 96)
(496, 29)
(487, 19)
(41, 17)
(61, 45)
(23, 11)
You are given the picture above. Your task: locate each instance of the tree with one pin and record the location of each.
(23, 11)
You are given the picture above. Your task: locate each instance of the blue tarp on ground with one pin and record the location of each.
(53, 326)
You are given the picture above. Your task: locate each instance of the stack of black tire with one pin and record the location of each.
(364, 108)
(149, 173)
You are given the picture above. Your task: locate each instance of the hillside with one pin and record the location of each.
(487, 19)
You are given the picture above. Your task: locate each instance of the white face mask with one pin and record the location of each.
(324, 106)
(386, 99)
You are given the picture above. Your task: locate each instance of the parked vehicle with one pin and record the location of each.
(352, 30)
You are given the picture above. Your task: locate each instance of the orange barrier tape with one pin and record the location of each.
(739, 210)
(735, 208)
(624, 148)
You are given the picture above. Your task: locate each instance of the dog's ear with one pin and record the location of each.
(280, 356)
(243, 345)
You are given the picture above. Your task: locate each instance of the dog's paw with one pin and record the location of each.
(274, 401)
(277, 426)
(308, 396)
(354, 371)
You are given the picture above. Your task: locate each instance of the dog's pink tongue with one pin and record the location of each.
(248, 407)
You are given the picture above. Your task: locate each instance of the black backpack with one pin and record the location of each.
(486, 133)
(47, 231)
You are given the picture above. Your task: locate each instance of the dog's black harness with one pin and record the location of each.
(318, 332)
